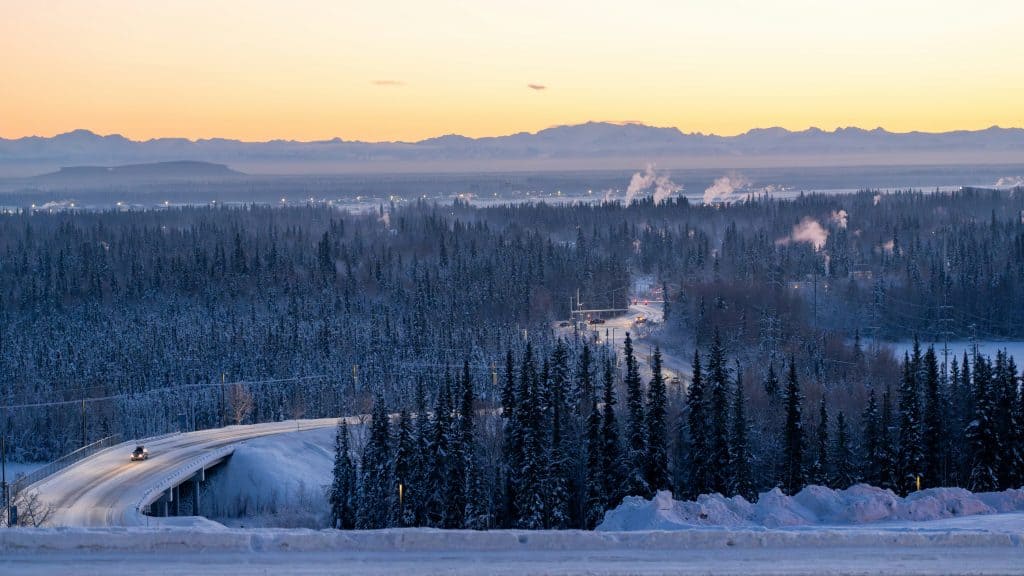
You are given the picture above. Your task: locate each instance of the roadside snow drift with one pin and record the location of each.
(812, 506)
(276, 481)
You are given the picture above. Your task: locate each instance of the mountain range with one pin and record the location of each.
(581, 146)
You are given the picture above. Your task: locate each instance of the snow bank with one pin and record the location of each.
(812, 506)
(276, 481)
(205, 540)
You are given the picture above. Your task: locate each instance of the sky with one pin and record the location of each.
(406, 70)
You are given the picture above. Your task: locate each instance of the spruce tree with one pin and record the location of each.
(595, 502)
(556, 482)
(742, 477)
(440, 459)
(718, 375)
(771, 384)
(611, 464)
(911, 449)
(982, 437)
(843, 474)
(470, 473)
(512, 443)
(375, 495)
(934, 438)
(530, 484)
(819, 473)
(793, 449)
(696, 417)
(636, 442)
(405, 455)
(1008, 425)
(416, 493)
(343, 492)
(594, 498)
(887, 464)
(1015, 441)
(872, 441)
(656, 464)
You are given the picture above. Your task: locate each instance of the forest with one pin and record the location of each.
(142, 322)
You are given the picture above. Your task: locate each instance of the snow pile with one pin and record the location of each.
(812, 506)
(277, 481)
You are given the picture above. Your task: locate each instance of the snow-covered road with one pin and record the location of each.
(106, 489)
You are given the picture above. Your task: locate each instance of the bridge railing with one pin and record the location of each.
(62, 463)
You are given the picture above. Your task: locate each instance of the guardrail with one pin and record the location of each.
(62, 463)
(182, 473)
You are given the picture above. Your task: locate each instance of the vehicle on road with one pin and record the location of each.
(640, 319)
(595, 321)
(140, 453)
(563, 324)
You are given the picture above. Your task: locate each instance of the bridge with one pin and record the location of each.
(106, 489)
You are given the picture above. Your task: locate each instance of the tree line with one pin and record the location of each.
(577, 429)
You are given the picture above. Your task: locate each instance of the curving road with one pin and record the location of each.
(106, 489)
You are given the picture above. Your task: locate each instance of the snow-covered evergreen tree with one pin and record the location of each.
(700, 477)
(820, 471)
(377, 491)
(843, 468)
(344, 490)
(741, 474)
(934, 437)
(982, 436)
(872, 455)
(718, 376)
(405, 457)
(911, 447)
(636, 433)
(656, 458)
(793, 465)
(611, 464)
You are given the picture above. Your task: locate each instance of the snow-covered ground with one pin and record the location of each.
(861, 506)
(274, 481)
(423, 551)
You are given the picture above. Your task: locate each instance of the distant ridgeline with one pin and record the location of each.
(148, 312)
(183, 169)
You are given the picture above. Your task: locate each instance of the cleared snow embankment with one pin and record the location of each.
(817, 506)
(207, 540)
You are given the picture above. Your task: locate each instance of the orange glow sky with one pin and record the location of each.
(405, 70)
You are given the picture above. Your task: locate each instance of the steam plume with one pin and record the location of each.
(724, 188)
(664, 187)
(809, 231)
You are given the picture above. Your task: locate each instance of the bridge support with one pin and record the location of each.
(184, 497)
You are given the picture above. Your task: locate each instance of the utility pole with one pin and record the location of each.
(3, 477)
(83, 423)
(223, 401)
(815, 298)
(945, 321)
